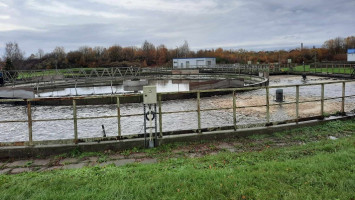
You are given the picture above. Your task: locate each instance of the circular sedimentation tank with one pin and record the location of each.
(129, 85)
(53, 130)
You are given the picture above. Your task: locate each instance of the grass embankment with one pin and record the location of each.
(307, 68)
(320, 169)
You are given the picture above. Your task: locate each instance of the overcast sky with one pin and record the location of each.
(230, 24)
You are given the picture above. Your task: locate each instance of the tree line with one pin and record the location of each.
(150, 55)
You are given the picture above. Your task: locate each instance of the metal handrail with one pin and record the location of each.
(198, 109)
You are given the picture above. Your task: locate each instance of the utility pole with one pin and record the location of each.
(177, 52)
(315, 54)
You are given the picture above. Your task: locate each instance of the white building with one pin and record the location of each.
(351, 55)
(180, 63)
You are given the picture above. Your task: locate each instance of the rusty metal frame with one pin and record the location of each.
(39, 76)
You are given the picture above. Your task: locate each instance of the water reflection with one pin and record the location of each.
(136, 86)
(162, 86)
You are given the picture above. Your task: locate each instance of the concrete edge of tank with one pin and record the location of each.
(118, 145)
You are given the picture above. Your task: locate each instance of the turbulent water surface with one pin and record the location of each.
(182, 121)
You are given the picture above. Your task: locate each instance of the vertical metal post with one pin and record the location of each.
(332, 68)
(267, 105)
(322, 100)
(29, 115)
(326, 67)
(198, 113)
(234, 111)
(75, 122)
(160, 118)
(118, 117)
(343, 99)
(297, 102)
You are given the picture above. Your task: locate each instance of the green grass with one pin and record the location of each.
(324, 169)
(329, 70)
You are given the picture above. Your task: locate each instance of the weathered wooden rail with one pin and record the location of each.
(162, 113)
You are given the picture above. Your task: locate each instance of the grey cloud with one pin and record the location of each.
(259, 24)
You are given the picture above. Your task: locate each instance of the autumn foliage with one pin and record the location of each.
(150, 55)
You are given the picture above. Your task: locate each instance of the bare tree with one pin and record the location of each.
(40, 53)
(99, 51)
(59, 53)
(148, 50)
(350, 42)
(184, 50)
(335, 46)
(339, 45)
(14, 54)
(59, 56)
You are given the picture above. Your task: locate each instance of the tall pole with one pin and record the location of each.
(177, 52)
(315, 55)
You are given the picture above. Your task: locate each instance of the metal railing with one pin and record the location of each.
(52, 76)
(38, 76)
(236, 68)
(161, 113)
(35, 76)
(332, 68)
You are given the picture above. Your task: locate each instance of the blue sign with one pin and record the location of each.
(351, 51)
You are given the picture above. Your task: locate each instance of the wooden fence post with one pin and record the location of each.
(160, 117)
(75, 122)
(29, 115)
(198, 113)
(119, 117)
(322, 100)
(297, 102)
(234, 111)
(267, 105)
(343, 99)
